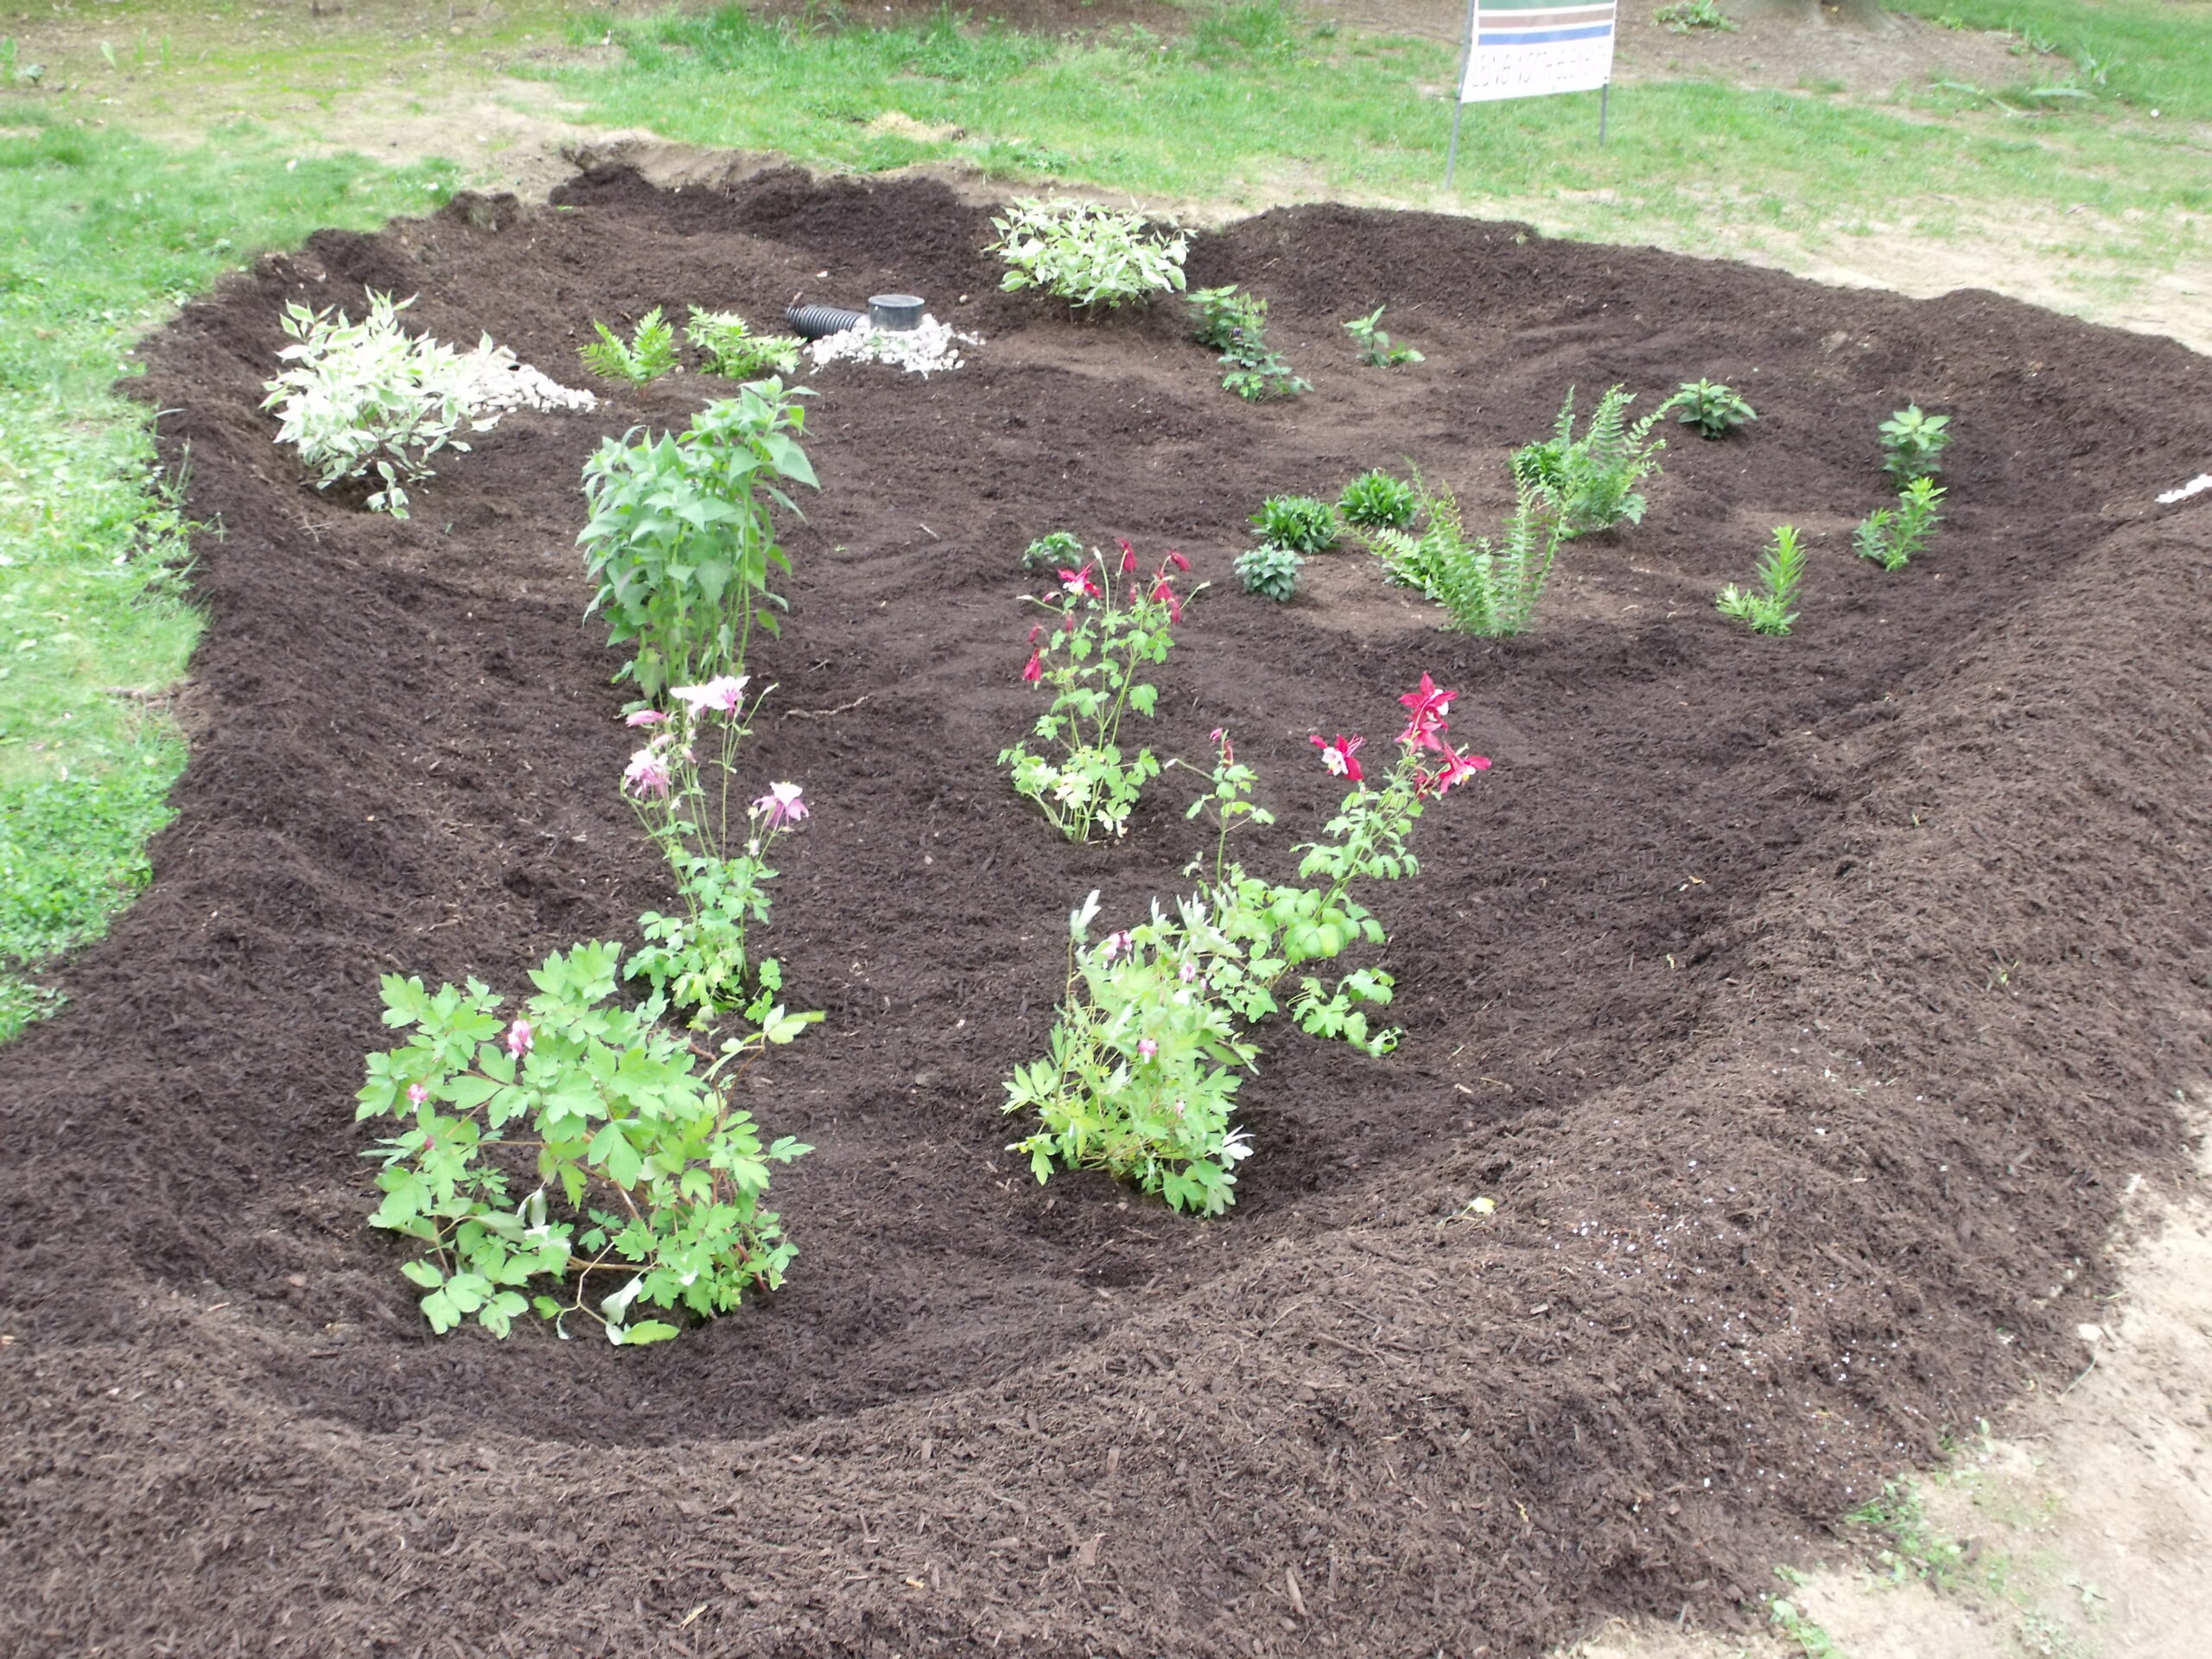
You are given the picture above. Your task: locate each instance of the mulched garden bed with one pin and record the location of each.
(1805, 1005)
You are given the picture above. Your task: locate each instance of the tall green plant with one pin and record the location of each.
(1491, 588)
(681, 540)
(1594, 477)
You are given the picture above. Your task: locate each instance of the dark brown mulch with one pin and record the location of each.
(1804, 1006)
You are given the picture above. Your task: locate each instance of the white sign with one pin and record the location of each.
(1525, 48)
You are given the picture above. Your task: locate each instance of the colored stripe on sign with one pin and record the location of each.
(1531, 36)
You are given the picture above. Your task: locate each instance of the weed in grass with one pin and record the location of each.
(1914, 1550)
(1781, 572)
(1913, 444)
(1301, 523)
(1893, 536)
(650, 354)
(1375, 350)
(1593, 478)
(1376, 500)
(1271, 572)
(1688, 17)
(1715, 410)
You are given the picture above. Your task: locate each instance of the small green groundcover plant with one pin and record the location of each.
(571, 1161)
(681, 542)
(1892, 536)
(1270, 571)
(1377, 501)
(1593, 478)
(1141, 1073)
(1765, 609)
(1056, 551)
(735, 352)
(650, 353)
(368, 397)
(1108, 625)
(1490, 589)
(1913, 444)
(1095, 258)
(1375, 350)
(1686, 17)
(1235, 324)
(681, 783)
(1303, 523)
(1714, 409)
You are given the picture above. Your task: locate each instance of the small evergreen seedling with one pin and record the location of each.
(1049, 554)
(1782, 571)
(734, 351)
(1913, 444)
(1714, 409)
(1297, 521)
(1894, 535)
(1377, 501)
(1271, 572)
(650, 353)
(1375, 350)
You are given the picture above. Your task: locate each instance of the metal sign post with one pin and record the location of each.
(1459, 90)
(1527, 49)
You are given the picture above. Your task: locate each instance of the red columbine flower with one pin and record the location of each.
(1427, 707)
(1080, 583)
(1162, 594)
(1177, 560)
(1338, 756)
(1035, 669)
(1129, 558)
(1457, 768)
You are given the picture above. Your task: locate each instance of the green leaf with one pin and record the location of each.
(423, 1274)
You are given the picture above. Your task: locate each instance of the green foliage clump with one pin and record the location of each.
(1593, 478)
(1893, 536)
(1913, 444)
(1376, 500)
(1765, 609)
(1270, 571)
(638, 1169)
(650, 354)
(1235, 324)
(368, 396)
(1683, 17)
(1301, 522)
(1057, 549)
(1490, 589)
(681, 543)
(1714, 409)
(1375, 350)
(735, 352)
(1092, 257)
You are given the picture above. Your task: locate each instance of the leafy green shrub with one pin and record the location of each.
(1893, 536)
(1301, 523)
(1593, 478)
(680, 540)
(1090, 256)
(650, 354)
(734, 351)
(1782, 571)
(1714, 409)
(1051, 552)
(1376, 500)
(1106, 624)
(1271, 572)
(1683, 17)
(638, 1168)
(368, 396)
(1490, 589)
(1375, 350)
(1913, 444)
(1140, 1079)
(1235, 325)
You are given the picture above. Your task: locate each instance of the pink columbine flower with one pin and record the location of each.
(1336, 755)
(1220, 736)
(1187, 973)
(1033, 670)
(1115, 944)
(1080, 583)
(724, 694)
(645, 717)
(647, 774)
(1458, 768)
(520, 1039)
(1426, 707)
(1146, 1048)
(1129, 558)
(781, 805)
(417, 1094)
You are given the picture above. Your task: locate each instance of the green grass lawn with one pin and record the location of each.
(2150, 54)
(101, 236)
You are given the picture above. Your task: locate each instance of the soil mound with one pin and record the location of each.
(1804, 1006)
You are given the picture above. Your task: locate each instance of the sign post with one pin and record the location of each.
(1529, 48)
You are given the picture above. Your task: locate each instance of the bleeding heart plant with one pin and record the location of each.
(1107, 623)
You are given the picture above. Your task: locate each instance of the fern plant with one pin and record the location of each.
(650, 354)
(1490, 589)
(734, 351)
(1593, 478)
(1893, 536)
(1781, 572)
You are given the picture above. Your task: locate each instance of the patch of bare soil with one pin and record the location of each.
(1805, 1006)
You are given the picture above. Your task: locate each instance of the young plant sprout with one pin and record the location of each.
(1235, 325)
(650, 354)
(1892, 536)
(1095, 258)
(734, 351)
(1375, 350)
(1593, 478)
(1714, 409)
(1782, 571)
(1053, 552)
(1913, 444)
